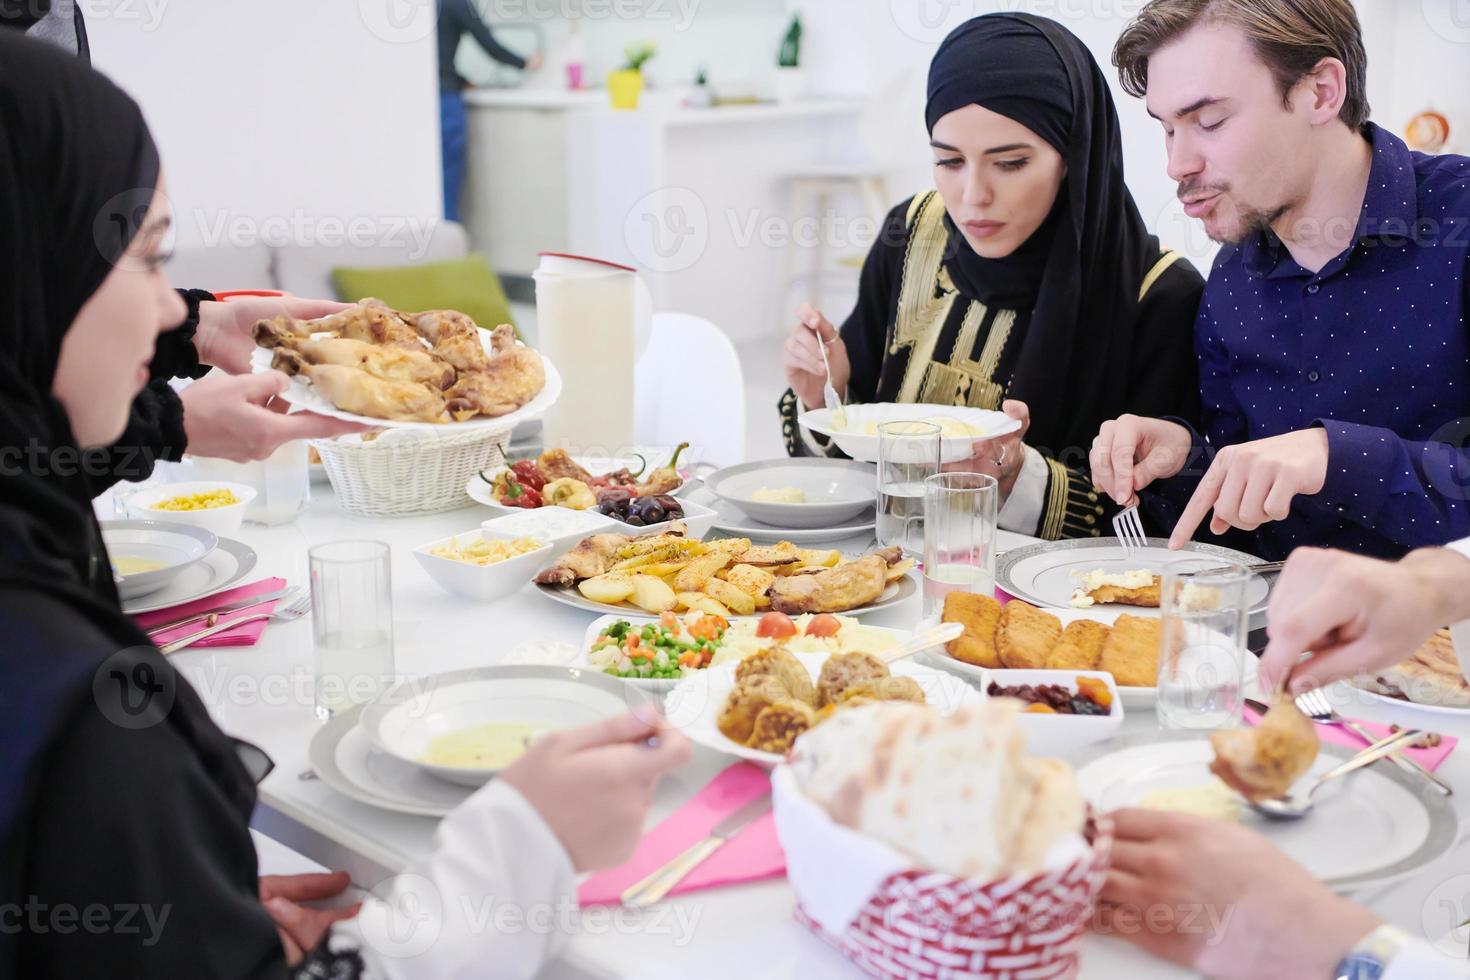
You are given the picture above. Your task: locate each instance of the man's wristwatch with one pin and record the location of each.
(1369, 958)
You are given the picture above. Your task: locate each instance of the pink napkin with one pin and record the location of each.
(751, 855)
(240, 636)
(1337, 735)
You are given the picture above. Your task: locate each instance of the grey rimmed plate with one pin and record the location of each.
(1368, 828)
(836, 490)
(1042, 573)
(225, 566)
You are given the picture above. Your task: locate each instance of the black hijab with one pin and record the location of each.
(70, 143)
(76, 166)
(1093, 248)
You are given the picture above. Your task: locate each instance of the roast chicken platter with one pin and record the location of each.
(436, 367)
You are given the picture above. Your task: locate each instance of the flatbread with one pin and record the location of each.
(1431, 676)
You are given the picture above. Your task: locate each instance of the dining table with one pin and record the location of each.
(263, 694)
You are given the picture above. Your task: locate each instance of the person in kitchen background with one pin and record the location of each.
(1026, 282)
(458, 18)
(231, 413)
(1334, 363)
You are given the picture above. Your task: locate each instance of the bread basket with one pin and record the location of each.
(406, 472)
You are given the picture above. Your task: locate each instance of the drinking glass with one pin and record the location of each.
(1202, 647)
(908, 454)
(352, 623)
(959, 537)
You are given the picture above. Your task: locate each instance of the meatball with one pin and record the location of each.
(778, 726)
(843, 671)
(779, 665)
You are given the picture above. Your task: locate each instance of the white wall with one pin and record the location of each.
(306, 119)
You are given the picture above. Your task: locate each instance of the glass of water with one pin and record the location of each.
(352, 623)
(959, 537)
(1202, 647)
(908, 454)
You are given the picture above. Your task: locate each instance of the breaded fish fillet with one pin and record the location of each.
(1118, 595)
(1026, 635)
(1131, 651)
(980, 615)
(1080, 647)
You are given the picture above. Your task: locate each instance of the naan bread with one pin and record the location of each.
(957, 793)
(1430, 676)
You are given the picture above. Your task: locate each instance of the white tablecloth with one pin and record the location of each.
(263, 694)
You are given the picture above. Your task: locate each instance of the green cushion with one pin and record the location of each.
(468, 285)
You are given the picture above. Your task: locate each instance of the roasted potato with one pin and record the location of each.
(693, 576)
(611, 588)
(783, 553)
(741, 603)
(749, 579)
(702, 602)
(652, 594)
(898, 570)
(730, 546)
(826, 559)
(664, 569)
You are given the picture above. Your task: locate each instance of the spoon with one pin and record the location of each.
(1297, 804)
(930, 638)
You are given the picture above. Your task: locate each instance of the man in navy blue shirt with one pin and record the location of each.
(1332, 341)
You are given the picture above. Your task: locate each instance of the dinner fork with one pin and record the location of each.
(289, 612)
(1129, 528)
(829, 393)
(1314, 705)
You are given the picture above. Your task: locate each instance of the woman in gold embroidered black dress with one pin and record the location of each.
(1027, 281)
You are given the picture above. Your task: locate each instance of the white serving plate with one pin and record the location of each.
(1349, 699)
(407, 717)
(344, 759)
(1133, 697)
(895, 593)
(695, 703)
(478, 487)
(698, 519)
(1042, 573)
(217, 520)
(221, 569)
(178, 546)
(854, 441)
(301, 394)
(836, 490)
(735, 522)
(482, 583)
(1368, 828)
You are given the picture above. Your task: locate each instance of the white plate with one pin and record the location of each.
(853, 440)
(1368, 828)
(407, 717)
(176, 547)
(301, 394)
(694, 704)
(1132, 697)
(343, 758)
(895, 593)
(221, 569)
(1042, 573)
(479, 491)
(734, 521)
(837, 490)
(1058, 734)
(1349, 699)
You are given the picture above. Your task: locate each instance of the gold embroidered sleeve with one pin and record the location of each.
(1073, 509)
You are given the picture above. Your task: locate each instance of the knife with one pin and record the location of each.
(658, 884)
(254, 600)
(1405, 763)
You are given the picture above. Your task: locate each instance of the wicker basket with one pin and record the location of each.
(406, 472)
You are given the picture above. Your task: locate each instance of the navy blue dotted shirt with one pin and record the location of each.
(1373, 348)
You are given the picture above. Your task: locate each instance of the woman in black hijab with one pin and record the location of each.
(125, 848)
(1026, 282)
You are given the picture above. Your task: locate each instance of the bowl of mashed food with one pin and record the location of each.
(210, 504)
(854, 428)
(797, 493)
(467, 725)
